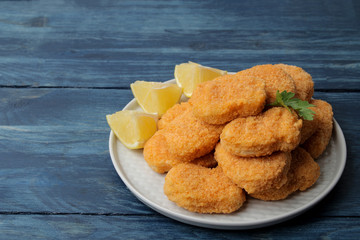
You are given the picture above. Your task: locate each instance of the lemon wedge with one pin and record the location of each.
(156, 97)
(132, 128)
(189, 75)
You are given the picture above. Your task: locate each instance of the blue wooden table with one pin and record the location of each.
(65, 64)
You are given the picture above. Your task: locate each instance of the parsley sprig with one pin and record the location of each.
(286, 99)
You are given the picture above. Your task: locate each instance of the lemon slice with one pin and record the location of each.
(132, 128)
(156, 97)
(189, 75)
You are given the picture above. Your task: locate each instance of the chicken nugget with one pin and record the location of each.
(303, 81)
(202, 190)
(228, 97)
(306, 170)
(309, 126)
(277, 129)
(275, 79)
(318, 142)
(303, 173)
(188, 137)
(158, 157)
(173, 113)
(256, 174)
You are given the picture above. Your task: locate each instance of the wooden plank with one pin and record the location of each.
(52, 148)
(108, 44)
(138, 227)
(340, 73)
(55, 159)
(67, 107)
(61, 169)
(105, 15)
(117, 67)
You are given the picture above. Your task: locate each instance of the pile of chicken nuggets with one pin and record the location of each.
(226, 143)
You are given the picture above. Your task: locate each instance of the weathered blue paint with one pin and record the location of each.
(65, 64)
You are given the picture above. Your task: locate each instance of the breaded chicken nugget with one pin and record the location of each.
(188, 137)
(275, 79)
(303, 173)
(303, 81)
(306, 170)
(255, 174)
(228, 97)
(202, 190)
(318, 142)
(277, 129)
(173, 113)
(309, 126)
(158, 157)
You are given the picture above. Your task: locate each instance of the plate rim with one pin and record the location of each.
(231, 226)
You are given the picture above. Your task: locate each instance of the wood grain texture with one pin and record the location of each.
(111, 44)
(69, 107)
(138, 227)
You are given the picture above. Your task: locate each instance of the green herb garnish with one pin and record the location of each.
(287, 99)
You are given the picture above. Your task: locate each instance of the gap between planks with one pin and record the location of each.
(74, 213)
(336, 90)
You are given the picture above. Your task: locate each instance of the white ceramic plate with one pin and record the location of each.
(147, 186)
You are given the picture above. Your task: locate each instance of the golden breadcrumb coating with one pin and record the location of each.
(158, 157)
(259, 150)
(173, 113)
(303, 81)
(202, 190)
(306, 170)
(303, 173)
(254, 174)
(275, 79)
(189, 138)
(309, 126)
(228, 97)
(317, 143)
(277, 129)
